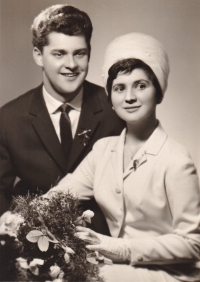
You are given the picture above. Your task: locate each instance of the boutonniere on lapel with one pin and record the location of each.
(85, 136)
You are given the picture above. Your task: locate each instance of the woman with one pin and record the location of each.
(144, 182)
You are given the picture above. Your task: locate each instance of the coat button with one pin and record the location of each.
(139, 258)
(117, 190)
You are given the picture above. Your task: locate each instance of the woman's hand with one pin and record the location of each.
(88, 235)
(54, 190)
(116, 249)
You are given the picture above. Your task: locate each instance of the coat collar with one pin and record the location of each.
(155, 141)
(45, 130)
(152, 147)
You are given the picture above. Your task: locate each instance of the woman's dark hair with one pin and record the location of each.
(126, 66)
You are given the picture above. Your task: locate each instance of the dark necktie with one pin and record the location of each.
(65, 129)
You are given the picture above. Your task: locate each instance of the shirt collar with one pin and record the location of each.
(53, 104)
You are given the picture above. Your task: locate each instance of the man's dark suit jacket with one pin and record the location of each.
(30, 148)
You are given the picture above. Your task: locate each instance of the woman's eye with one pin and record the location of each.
(141, 86)
(118, 88)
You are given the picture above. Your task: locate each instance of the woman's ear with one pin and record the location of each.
(38, 57)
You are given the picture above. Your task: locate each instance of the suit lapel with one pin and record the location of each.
(89, 121)
(43, 126)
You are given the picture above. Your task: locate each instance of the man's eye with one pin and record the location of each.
(141, 86)
(58, 55)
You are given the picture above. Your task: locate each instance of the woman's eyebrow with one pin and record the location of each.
(141, 80)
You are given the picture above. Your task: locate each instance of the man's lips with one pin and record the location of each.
(70, 74)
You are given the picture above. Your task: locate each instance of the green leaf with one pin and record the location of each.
(66, 257)
(34, 270)
(43, 243)
(92, 260)
(69, 250)
(91, 257)
(33, 236)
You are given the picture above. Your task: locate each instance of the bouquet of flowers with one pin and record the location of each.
(39, 243)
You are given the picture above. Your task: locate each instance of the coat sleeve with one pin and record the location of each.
(81, 181)
(183, 244)
(7, 174)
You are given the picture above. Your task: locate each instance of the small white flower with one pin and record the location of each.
(35, 262)
(54, 271)
(32, 266)
(61, 275)
(23, 263)
(9, 223)
(87, 215)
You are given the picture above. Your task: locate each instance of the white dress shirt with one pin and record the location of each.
(74, 115)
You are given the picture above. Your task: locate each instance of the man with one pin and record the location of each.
(40, 139)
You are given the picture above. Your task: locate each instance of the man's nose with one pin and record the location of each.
(70, 62)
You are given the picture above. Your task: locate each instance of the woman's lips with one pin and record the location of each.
(132, 109)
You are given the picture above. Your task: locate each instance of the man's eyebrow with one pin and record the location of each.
(59, 50)
(65, 51)
(80, 49)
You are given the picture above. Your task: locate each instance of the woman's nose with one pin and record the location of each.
(130, 96)
(70, 62)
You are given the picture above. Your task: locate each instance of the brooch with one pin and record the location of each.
(137, 162)
(85, 135)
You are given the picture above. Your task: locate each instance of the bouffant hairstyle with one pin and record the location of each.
(126, 66)
(60, 18)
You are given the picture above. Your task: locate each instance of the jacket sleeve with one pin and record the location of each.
(81, 181)
(7, 175)
(183, 244)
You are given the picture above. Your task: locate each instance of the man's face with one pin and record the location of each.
(65, 65)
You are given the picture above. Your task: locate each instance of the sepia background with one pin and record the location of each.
(175, 23)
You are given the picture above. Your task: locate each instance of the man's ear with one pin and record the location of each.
(37, 55)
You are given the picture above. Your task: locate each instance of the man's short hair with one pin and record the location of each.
(60, 18)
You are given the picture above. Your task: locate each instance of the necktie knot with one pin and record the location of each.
(65, 108)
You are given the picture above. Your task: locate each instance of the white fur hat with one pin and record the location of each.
(139, 46)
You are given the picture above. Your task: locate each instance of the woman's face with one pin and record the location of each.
(134, 96)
